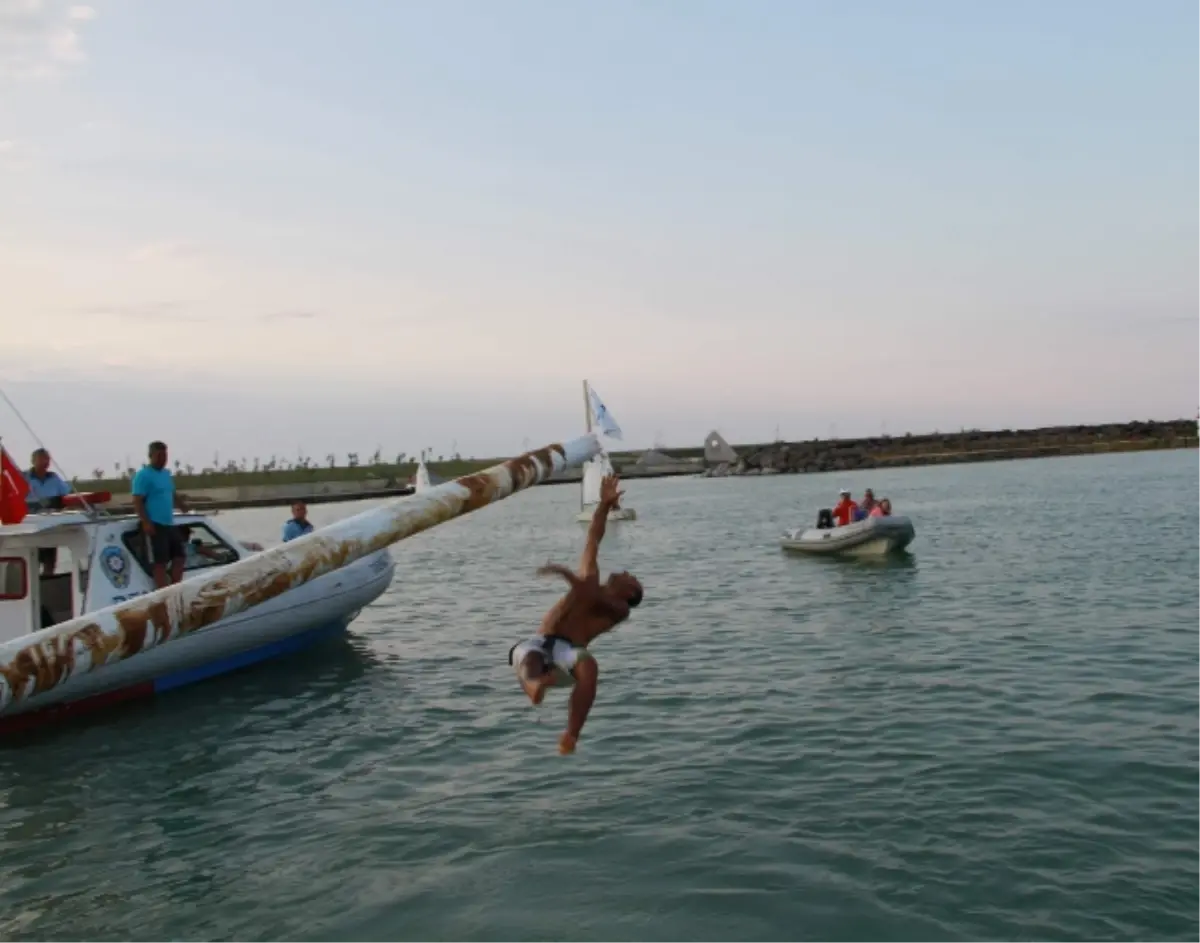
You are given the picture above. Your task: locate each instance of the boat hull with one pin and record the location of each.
(876, 536)
(289, 622)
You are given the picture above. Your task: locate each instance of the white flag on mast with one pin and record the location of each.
(604, 419)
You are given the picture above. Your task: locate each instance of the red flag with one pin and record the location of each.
(13, 488)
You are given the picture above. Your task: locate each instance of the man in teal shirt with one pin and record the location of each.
(155, 500)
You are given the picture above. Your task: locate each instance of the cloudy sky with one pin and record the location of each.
(248, 227)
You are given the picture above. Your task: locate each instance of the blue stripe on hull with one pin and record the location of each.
(284, 646)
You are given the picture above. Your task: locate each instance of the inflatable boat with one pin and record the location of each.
(874, 536)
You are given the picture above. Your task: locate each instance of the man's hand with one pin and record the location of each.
(610, 497)
(148, 528)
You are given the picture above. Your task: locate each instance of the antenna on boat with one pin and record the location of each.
(57, 467)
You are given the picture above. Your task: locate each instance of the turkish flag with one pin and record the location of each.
(13, 488)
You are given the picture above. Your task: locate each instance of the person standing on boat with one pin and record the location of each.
(46, 491)
(46, 488)
(299, 524)
(155, 500)
(845, 510)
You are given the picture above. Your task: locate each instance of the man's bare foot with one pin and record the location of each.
(566, 744)
(535, 689)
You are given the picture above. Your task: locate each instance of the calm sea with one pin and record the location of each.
(993, 739)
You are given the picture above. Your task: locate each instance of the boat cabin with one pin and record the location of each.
(59, 565)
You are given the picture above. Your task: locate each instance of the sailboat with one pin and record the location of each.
(595, 413)
(422, 480)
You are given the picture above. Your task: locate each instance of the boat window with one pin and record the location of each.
(202, 546)
(14, 578)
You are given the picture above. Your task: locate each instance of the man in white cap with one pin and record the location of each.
(846, 509)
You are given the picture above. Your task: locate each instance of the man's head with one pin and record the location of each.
(626, 586)
(158, 454)
(40, 460)
(299, 510)
(844, 494)
(868, 495)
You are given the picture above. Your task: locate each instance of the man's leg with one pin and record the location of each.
(587, 677)
(157, 556)
(535, 676)
(178, 554)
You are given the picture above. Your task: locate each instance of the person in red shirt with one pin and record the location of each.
(846, 509)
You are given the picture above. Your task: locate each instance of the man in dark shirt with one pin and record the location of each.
(46, 491)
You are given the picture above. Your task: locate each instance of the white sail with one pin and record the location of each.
(600, 415)
(596, 414)
(422, 483)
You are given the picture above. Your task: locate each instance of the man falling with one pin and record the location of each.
(558, 654)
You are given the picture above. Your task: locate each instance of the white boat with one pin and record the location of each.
(422, 481)
(101, 562)
(589, 492)
(96, 631)
(593, 473)
(874, 536)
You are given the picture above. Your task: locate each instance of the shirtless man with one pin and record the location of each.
(558, 654)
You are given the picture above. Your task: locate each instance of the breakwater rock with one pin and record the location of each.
(967, 446)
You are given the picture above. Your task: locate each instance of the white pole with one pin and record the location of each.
(587, 418)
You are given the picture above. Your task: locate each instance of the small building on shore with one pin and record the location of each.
(717, 451)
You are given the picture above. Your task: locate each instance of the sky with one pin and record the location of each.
(254, 228)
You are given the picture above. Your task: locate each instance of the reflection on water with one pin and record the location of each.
(330, 664)
(991, 736)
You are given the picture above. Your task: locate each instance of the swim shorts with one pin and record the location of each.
(166, 544)
(559, 654)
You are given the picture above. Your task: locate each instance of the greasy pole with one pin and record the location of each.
(41, 661)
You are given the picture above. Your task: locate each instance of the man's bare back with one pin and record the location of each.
(589, 609)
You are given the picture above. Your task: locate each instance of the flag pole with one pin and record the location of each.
(587, 417)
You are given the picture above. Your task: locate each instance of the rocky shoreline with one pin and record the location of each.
(968, 446)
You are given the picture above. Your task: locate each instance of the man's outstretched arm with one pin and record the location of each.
(610, 497)
(557, 569)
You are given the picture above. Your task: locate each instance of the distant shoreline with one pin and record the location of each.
(319, 485)
(967, 447)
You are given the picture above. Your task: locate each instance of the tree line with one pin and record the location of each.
(276, 463)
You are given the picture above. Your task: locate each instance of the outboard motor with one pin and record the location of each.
(825, 519)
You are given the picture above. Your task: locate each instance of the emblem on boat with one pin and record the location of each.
(115, 564)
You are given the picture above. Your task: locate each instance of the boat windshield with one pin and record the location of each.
(202, 546)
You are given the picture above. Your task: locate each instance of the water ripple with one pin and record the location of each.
(995, 738)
